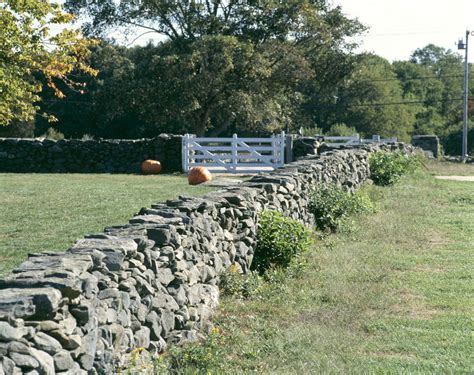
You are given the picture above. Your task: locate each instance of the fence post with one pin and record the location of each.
(184, 153)
(234, 152)
(288, 148)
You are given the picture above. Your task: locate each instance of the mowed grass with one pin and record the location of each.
(48, 212)
(394, 296)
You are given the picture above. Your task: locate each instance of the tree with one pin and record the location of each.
(371, 100)
(28, 47)
(225, 65)
(447, 66)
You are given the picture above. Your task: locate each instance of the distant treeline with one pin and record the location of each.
(252, 69)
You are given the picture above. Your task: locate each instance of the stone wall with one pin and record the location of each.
(153, 281)
(88, 156)
(429, 143)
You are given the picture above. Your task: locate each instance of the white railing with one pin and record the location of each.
(356, 140)
(234, 155)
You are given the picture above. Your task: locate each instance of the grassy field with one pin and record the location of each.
(396, 295)
(45, 212)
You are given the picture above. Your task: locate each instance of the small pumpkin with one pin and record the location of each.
(151, 167)
(198, 175)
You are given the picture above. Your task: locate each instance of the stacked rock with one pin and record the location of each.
(153, 281)
(88, 156)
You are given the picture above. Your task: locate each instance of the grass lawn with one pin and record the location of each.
(46, 212)
(394, 296)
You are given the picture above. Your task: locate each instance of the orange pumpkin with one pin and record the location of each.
(151, 167)
(198, 175)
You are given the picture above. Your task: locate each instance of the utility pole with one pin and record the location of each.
(465, 46)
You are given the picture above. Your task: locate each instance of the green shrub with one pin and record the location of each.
(233, 283)
(331, 206)
(53, 134)
(341, 130)
(386, 168)
(200, 357)
(280, 240)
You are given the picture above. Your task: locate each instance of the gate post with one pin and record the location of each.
(288, 148)
(185, 153)
(234, 152)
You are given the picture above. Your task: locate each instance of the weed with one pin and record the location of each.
(332, 206)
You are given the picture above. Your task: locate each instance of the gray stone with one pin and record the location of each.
(63, 361)
(114, 248)
(9, 333)
(83, 312)
(164, 301)
(24, 361)
(142, 338)
(9, 366)
(47, 343)
(46, 362)
(161, 236)
(69, 342)
(166, 322)
(153, 322)
(165, 276)
(38, 303)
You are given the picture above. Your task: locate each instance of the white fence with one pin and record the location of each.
(356, 140)
(235, 155)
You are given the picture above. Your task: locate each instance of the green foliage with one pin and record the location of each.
(196, 358)
(280, 241)
(312, 132)
(373, 81)
(18, 129)
(452, 141)
(28, 47)
(341, 130)
(332, 206)
(386, 168)
(222, 67)
(234, 283)
(53, 134)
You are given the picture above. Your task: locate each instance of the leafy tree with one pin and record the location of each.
(27, 46)
(225, 65)
(370, 100)
(448, 67)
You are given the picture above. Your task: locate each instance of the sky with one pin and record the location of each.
(398, 27)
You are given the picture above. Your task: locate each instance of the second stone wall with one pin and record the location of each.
(88, 156)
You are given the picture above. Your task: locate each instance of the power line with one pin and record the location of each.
(382, 104)
(404, 33)
(414, 78)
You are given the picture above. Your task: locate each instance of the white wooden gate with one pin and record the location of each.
(234, 155)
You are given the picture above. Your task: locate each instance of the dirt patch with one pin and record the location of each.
(456, 178)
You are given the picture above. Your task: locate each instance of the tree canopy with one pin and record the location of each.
(226, 64)
(28, 46)
(219, 67)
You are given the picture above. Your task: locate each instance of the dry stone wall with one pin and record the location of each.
(88, 156)
(153, 281)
